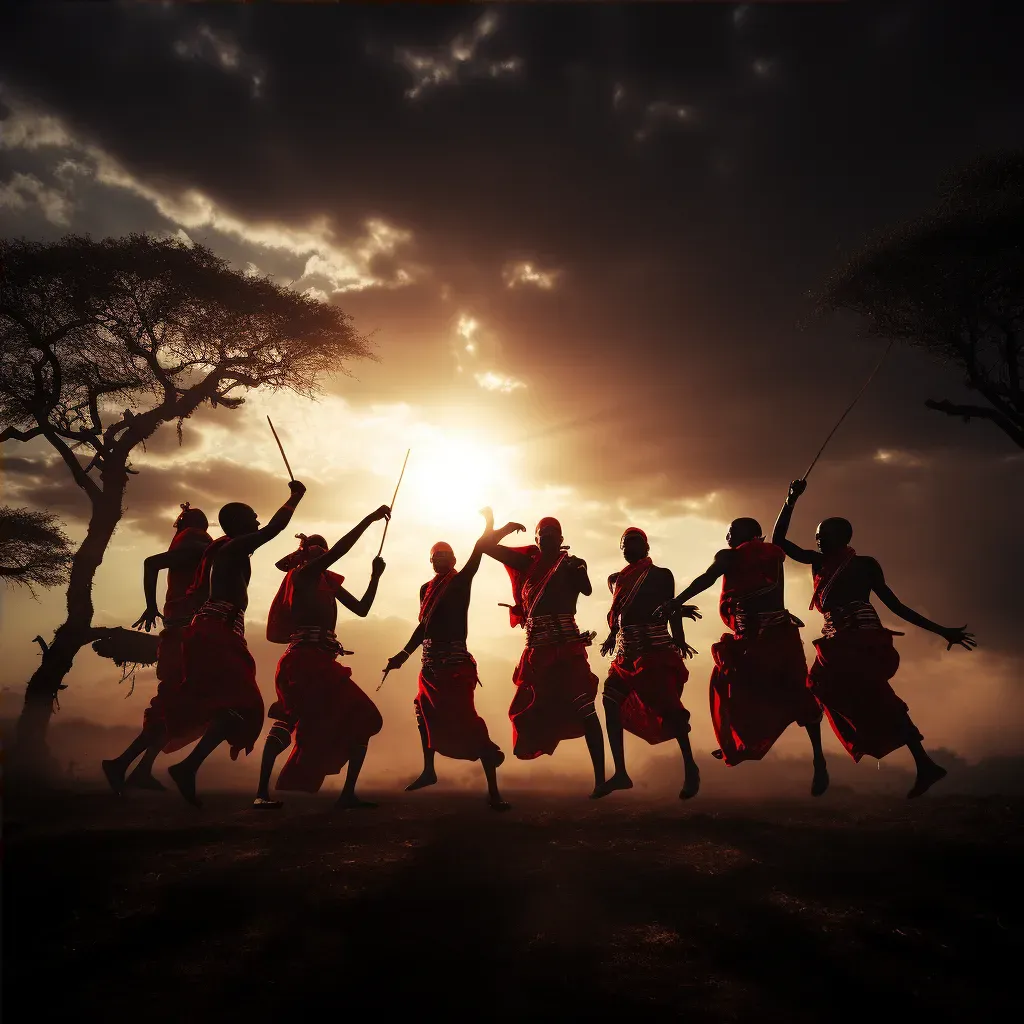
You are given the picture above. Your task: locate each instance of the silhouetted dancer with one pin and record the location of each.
(330, 716)
(856, 656)
(759, 682)
(555, 689)
(445, 709)
(644, 689)
(218, 687)
(181, 561)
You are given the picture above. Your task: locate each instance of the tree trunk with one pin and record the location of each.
(31, 754)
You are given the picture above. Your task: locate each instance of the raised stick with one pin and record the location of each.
(388, 520)
(849, 408)
(281, 450)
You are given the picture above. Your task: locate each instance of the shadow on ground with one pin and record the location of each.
(852, 908)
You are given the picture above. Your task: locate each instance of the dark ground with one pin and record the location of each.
(852, 908)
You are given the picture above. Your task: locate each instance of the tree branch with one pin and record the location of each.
(13, 434)
(980, 412)
(81, 477)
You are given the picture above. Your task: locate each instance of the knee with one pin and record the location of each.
(585, 708)
(280, 736)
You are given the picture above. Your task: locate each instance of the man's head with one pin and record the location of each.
(314, 545)
(634, 544)
(191, 519)
(442, 558)
(237, 519)
(833, 534)
(549, 535)
(742, 530)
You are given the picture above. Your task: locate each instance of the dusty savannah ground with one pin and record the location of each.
(852, 908)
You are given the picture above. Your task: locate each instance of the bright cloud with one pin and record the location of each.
(527, 273)
(491, 381)
(343, 267)
(25, 190)
(456, 59)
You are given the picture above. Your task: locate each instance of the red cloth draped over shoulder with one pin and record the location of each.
(198, 589)
(754, 566)
(331, 714)
(653, 681)
(829, 569)
(758, 689)
(454, 729)
(178, 603)
(281, 619)
(625, 588)
(434, 592)
(554, 686)
(219, 674)
(517, 614)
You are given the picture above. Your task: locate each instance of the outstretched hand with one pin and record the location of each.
(377, 566)
(686, 650)
(609, 645)
(297, 489)
(959, 636)
(384, 512)
(796, 488)
(148, 619)
(688, 611)
(397, 661)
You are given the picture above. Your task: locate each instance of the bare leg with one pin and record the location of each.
(184, 772)
(142, 777)
(278, 739)
(492, 762)
(691, 773)
(820, 781)
(116, 768)
(428, 777)
(348, 798)
(595, 745)
(613, 720)
(928, 772)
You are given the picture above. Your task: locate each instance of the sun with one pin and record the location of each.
(453, 476)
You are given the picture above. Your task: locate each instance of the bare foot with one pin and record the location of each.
(691, 783)
(349, 801)
(144, 780)
(428, 778)
(261, 803)
(115, 775)
(497, 804)
(617, 781)
(718, 755)
(820, 782)
(926, 778)
(185, 779)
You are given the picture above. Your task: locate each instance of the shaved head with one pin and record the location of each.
(743, 530)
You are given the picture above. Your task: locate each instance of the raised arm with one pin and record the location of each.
(951, 634)
(365, 603)
(179, 558)
(794, 551)
(343, 546)
(489, 545)
(248, 543)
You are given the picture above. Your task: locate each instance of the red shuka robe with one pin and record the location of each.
(850, 677)
(554, 684)
(316, 695)
(759, 682)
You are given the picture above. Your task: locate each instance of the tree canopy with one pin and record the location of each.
(952, 282)
(34, 550)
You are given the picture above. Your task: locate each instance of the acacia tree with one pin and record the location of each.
(952, 283)
(34, 550)
(102, 343)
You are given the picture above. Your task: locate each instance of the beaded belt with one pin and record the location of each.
(545, 630)
(224, 611)
(856, 615)
(756, 623)
(646, 636)
(445, 652)
(318, 637)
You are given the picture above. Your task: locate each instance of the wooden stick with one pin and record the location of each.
(388, 520)
(281, 449)
(856, 399)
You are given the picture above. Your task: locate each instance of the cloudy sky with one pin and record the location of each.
(582, 238)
